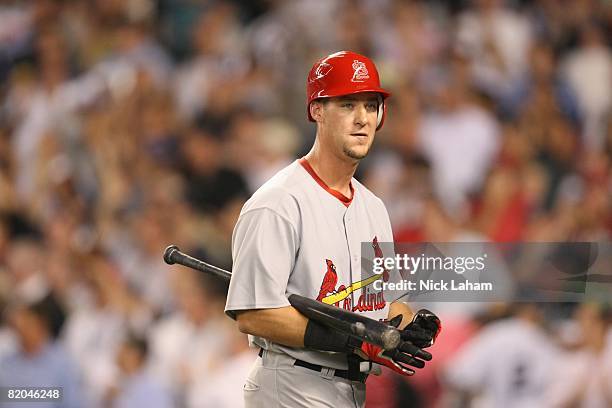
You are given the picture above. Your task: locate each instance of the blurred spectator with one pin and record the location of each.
(24, 264)
(508, 363)
(231, 367)
(210, 184)
(496, 40)
(276, 143)
(137, 255)
(411, 44)
(93, 334)
(589, 71)
(17, 22)
(589, 381)
(8, 340)
(41, 361)
(219, 62)
(460, 139)
(126, 126)
(541, 92)
(137, 388)
(138, 48)
(186, 343)
(428, 388)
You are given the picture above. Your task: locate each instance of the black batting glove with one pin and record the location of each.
(423, 330)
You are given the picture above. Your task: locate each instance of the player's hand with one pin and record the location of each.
(395, 322)
(399, 359)
(423, 330)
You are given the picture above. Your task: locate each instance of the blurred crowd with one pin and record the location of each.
(128, 125)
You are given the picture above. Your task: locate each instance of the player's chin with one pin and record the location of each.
(356, 152)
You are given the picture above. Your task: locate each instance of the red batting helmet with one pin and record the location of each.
(345, 73)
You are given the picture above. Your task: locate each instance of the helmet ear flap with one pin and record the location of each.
(381, 112)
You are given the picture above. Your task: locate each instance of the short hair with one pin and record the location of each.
(51, 312)
(138, 343)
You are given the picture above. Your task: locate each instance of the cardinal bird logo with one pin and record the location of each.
(330, 280)
(329, 294)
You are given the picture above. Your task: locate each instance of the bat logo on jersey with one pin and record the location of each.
(360, 73)
(368, 300)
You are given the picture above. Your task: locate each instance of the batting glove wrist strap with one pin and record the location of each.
(319, 337)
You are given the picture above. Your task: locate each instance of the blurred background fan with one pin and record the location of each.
(126, 125)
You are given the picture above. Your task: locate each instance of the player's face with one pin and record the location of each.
(350, 123)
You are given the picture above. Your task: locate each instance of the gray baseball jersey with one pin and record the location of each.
(295, 235)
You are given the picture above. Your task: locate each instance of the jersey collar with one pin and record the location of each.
(343, 199)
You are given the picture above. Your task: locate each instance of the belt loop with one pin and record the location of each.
(328, 373)
(263, 354)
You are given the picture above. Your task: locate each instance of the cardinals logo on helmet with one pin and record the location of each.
(360, 73)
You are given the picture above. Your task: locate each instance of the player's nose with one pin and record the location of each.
(361, 117)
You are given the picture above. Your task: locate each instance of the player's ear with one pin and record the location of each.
(316, 110)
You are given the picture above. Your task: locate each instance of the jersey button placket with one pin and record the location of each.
(351, 232)
(348, 231)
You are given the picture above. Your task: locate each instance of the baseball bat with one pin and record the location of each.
(364, 328)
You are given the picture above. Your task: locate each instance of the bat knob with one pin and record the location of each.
(168, 252)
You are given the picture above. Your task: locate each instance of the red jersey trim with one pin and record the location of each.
(344, 199)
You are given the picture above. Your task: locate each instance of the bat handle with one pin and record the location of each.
(173, 255)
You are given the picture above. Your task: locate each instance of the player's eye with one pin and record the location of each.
(372, 107)
(348, 105)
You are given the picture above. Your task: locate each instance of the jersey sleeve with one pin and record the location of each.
(264, 248)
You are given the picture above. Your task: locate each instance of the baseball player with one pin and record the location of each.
(301, 233)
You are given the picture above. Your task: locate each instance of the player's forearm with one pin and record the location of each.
(283, 325)
(397, 308)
